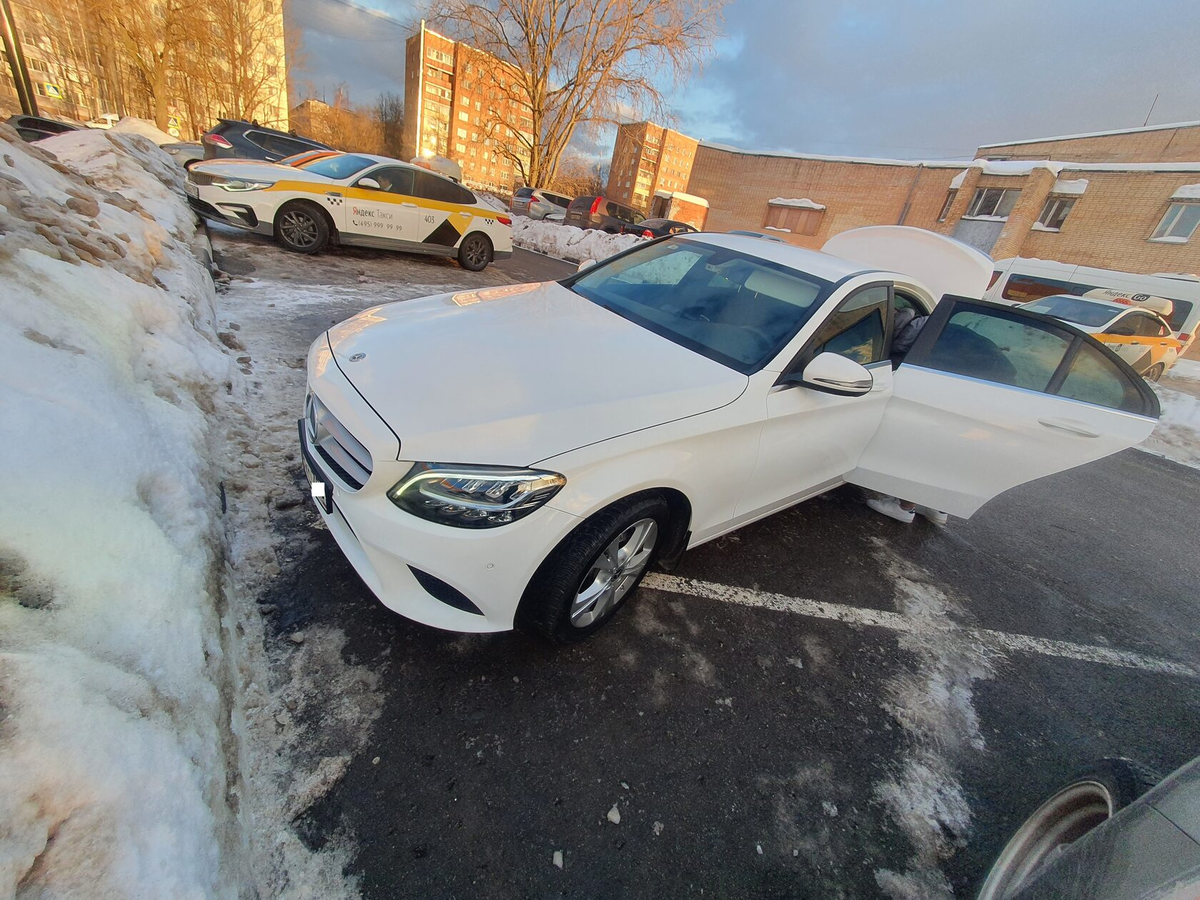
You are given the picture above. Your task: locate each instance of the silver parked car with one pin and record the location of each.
(538, 203)
(1104, 836)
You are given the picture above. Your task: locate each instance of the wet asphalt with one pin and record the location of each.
(744, 748)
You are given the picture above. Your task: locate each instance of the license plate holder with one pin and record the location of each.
(319, 487)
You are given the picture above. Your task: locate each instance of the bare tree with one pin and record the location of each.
(243, 55)
(578, 176)
(389, 112)
(575, 61)
(152, 36)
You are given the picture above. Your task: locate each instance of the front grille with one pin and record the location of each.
(196, 177)
(336, 446)
(205, 209)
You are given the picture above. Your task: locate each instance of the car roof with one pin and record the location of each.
(822, 265)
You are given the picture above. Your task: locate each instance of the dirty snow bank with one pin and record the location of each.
(114, 746)
(1177, 435)
(568, 242)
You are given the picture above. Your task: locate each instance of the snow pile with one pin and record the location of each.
(114, 741)
(144, 127)
(795, 203)
(568, 242)
(1177, 435)
(1187, 192)
(1075, 186)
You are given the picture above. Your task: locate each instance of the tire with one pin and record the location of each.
(556, 603)
(301, 228)
(1089, 800)
(1155, 372)
(475, 252)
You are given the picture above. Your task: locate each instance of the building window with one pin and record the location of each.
(797, 220)
(993, 203)
(463, 117)
(1178, 223)
(1054, 213)
(461, 148)
(950, 195)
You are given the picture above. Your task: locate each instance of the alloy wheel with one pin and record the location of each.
(475, 251)
(298, 228)
(614, 572)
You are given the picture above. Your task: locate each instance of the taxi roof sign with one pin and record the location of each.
(1160, 305)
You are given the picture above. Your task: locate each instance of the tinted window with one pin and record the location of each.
(855, 330)
(393, 179)
(612, 209)
(1148, 326)
(433, 187)
(1023, 288)
(276, 144)
(731, 307)
(1094, 378)
(558, 200)
(994, 347)
(524, 192)
(581, 203)
(1077, 312)
(342, 166)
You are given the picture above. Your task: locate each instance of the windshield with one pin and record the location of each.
(1072, 309)
(337, 166)
(731, 307)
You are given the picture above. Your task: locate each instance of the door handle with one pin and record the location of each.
(333, 193)
(1069, 427)
(410, 205)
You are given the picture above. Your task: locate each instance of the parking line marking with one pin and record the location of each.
(853, 615)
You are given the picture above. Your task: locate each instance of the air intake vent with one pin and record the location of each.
(336, 446)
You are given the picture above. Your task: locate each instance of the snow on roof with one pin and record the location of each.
(1187, 192)
(1069, 186)
(865, 160)
(802, 203)
(1090, 134)
(681, 196)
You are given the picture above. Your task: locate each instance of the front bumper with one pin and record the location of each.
(219, 206)
(400, 556)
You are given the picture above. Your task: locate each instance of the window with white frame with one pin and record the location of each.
(992, 202)
(1178, 223)
(1055, 212)
(950, 195)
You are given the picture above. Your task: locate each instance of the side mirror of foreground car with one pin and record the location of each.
(368, 183)
(586, 264)
(836, 374)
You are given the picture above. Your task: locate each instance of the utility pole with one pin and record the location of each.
(16, 61)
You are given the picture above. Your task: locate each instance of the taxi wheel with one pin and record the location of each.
(1155, 372)
(475, 252)
(301, 228)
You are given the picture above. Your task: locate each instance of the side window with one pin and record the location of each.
(275, 144)
(995, 347)
(393, 179)
(1093, 378)
(856, 328)
(431, 187)
(1126, 326)
(1148, 327)
(1023, 288)
(612, 209)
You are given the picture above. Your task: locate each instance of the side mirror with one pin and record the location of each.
(368, 183)
(586, 264)
(836, 374)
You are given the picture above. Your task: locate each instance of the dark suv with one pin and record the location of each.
(602, 213)
(245, 140)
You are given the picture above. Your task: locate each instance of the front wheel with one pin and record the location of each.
(1092, 798)
(475, 252)
(302, 229)
(588, 577)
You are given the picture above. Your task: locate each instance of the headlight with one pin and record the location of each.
(473, 496)
(236, 184)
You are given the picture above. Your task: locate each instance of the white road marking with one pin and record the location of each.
(853, 615)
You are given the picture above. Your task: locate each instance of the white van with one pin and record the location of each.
(1020, 280)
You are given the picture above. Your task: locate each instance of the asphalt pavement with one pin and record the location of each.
(826, 703)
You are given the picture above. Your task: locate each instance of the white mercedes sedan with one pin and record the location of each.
(519, 456)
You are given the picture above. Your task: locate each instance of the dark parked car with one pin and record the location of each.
(654, 228)
(232, 139)
(601, 213)
(34, 128)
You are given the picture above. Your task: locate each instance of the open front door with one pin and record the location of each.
(991, 397)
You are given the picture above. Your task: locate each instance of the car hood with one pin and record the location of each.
(256, 170)
(514, 375)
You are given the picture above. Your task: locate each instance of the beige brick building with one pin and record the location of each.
(648, 158)
(465, 105)
(1124, 212)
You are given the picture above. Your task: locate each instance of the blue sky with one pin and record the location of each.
(899, 78)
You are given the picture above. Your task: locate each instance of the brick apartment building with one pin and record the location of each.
(465, 105)
(647, 159)
(1127, 200)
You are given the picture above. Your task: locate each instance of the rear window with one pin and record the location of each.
(581, 203)
(524, 192)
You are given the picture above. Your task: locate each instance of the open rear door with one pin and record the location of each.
(991, 397)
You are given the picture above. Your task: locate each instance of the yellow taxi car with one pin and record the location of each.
(355, 199)
(1135, 328)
